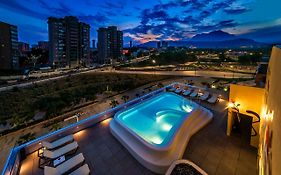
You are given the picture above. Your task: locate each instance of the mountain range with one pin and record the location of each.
(214, 39)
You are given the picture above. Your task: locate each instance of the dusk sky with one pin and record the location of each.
(147, 20)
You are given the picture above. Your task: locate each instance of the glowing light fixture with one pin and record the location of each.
(225, 89)
(156, 140)
(234, 105)
(166, 127)
(187, 108)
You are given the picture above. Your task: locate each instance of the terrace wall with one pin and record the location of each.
(249, 98)
(270, 143)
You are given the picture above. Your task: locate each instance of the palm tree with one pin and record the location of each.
(125, 98)
(114, 103)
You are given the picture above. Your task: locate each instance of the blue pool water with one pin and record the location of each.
(156, 119)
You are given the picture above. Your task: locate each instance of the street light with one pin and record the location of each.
(154, 62)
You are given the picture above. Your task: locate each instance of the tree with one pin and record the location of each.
(114, 103)
(25, 138)
(33, 59)
(137, 95)
(55, 126)
(160, 85)
(125, 98)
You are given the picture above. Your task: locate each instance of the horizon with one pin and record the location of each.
(159, 20)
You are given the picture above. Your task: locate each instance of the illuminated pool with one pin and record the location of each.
(156, 131)
(156, 119)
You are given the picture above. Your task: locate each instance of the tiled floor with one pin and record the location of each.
(210, 148)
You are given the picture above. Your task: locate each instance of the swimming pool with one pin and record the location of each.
(156, 119)
(156, 130)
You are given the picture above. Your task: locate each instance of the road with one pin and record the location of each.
(215, 74)
(26, 84)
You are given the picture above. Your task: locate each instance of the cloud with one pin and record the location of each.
(20, 8)
(95, 20)
(143, 37)
(182, 19)
(236, 10)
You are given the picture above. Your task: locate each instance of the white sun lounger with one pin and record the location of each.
(178, 90)
(205, 96)
(83, 170)
(61, 151)
(65, 166)
(194, 94)
(172, 89)
(187, 92)
(58, 142)
(213, 99)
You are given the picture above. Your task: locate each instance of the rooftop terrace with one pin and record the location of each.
(210, 149)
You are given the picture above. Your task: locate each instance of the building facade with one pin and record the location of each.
(44, 45)
(23, 48)
(94, 44)
(9, 54)
(158, 44)
(165, 44)
(84, 43)
(69, 41)
(110, 45)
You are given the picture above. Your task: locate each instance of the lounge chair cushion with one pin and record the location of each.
(213, 99)
(61, 151)
(83, 170)
(194, 94)
(205, 96)
(58, 142)
(65, 166)
(187, 92)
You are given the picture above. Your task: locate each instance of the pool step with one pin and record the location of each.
(200, 118)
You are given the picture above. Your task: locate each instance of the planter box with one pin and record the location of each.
(190, 166)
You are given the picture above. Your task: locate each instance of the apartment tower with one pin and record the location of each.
(69, 41)
(9, 54)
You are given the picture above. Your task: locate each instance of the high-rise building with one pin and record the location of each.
(23, 47)
(131, 44)
(110, 44)
(69, 41)
(93, 44)
(9, 54)
(84, 43)
(164, 44)
(44, 45)
(158, 44)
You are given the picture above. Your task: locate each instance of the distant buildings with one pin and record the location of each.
(110, 44)
(131, 44)
(165, 44)
(162, 44)
(23, 48)
(9, 55)
(44, 45)
(69, 41)
(94, 44)
(158, 44)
